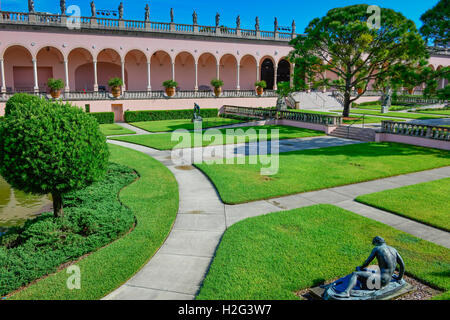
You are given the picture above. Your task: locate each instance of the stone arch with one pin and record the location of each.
(185, 70)
(228, 71)
(81, 69)
(268, 71)
(161, 69)
(50, 62)
(18, 64)
(109, 65)
(207, 70)
(283, 71)
(248, 72)
(136, 64)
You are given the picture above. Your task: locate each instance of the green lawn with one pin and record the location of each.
(114, 129)
(172, 125)
(395, 114)
(163, 141)
(154, 201)
(439, 112)
(270, 257)
(426, 202)
(308, 170)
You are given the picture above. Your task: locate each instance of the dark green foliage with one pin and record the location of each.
(94, 217)
(20, 100)
(51, 148)
(170, 84)
(103, 117)
(216, 83)
(55, 84)
(436, 23)
(155, 115)
(115, 82)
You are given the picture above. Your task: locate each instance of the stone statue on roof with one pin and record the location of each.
(121, 10)
(147, 12)
(293, 26)
(62, 4)
(93, 12)
(238, 22)
(276, 24)
(257, 23)
(31, 6)
(194, 17)
(171, 15)
(217, 19)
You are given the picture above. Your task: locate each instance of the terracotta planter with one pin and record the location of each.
(116, 91)
(259, 91)
(55, 93)
(170, 91)
(360, 90)
(218, 91)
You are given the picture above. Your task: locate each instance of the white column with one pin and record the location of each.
(123, 76)
(258, 73)
(218, 71)
(66, 73)
(149, 78)
(35, 72)
(275, 77)
(196, 77)
(292, 75)
(3, 83)
(173, 71)
(238, 82)
(95, 76)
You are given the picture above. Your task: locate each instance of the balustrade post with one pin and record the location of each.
(172, 27)
(32, 17)
(93, 22)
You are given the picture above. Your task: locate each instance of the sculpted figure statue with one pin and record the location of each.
(171, 15)
(194, 17)
(93, 12)
(257, 23)
(62, 4)
(276, 24)
(31, 6)
(238, 22)
(368, 283)
(121, 10)
(147, 13)
(217, 19)
(293, 26)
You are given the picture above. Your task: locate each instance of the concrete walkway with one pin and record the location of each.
(180, 265)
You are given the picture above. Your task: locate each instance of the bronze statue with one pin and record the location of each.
(367, 283)
(147, 12)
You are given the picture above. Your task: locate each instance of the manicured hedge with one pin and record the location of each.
(103, 117)
(155, 115)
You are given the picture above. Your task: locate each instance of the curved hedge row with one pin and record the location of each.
(155, 115)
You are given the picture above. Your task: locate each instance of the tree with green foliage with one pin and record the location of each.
(436, 23)
(51, 148)
(348, 45)
(20, 100)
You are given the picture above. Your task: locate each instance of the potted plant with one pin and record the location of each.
(55, 86)
(260, 86)
(217, 84)
(170, 86)
(116, 86)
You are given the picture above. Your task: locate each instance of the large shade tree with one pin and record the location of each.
(436, 23)
(346, 50)
(50, 148)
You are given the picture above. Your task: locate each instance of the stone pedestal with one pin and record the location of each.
(384, 109)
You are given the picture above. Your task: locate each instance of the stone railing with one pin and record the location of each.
(328, 120)
(416, 130)
(151, 95)
(45, 19)
(418, 100)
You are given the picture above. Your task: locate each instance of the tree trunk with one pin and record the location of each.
(58, 211)
(346, 112)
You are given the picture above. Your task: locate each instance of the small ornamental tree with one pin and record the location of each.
(51, 148)
(345, 50)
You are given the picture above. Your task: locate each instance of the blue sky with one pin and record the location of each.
(302, 11)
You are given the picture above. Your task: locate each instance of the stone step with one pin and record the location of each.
(354, 133)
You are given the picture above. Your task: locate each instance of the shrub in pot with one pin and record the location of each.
(217, 84)
(116, 86)
(260, 86)
(170, 86)
(55, 85)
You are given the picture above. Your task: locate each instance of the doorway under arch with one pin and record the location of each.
(267, 73)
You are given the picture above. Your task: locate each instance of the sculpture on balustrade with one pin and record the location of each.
(121, 10)
(217, 19)
(257, 24)
(194, 17)
(293, 26)
(238, 22)
(276, 24)
(374, 282)
(171, 15)
(62, 4)
(93, 11)
(31, 6)
(147, 12)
